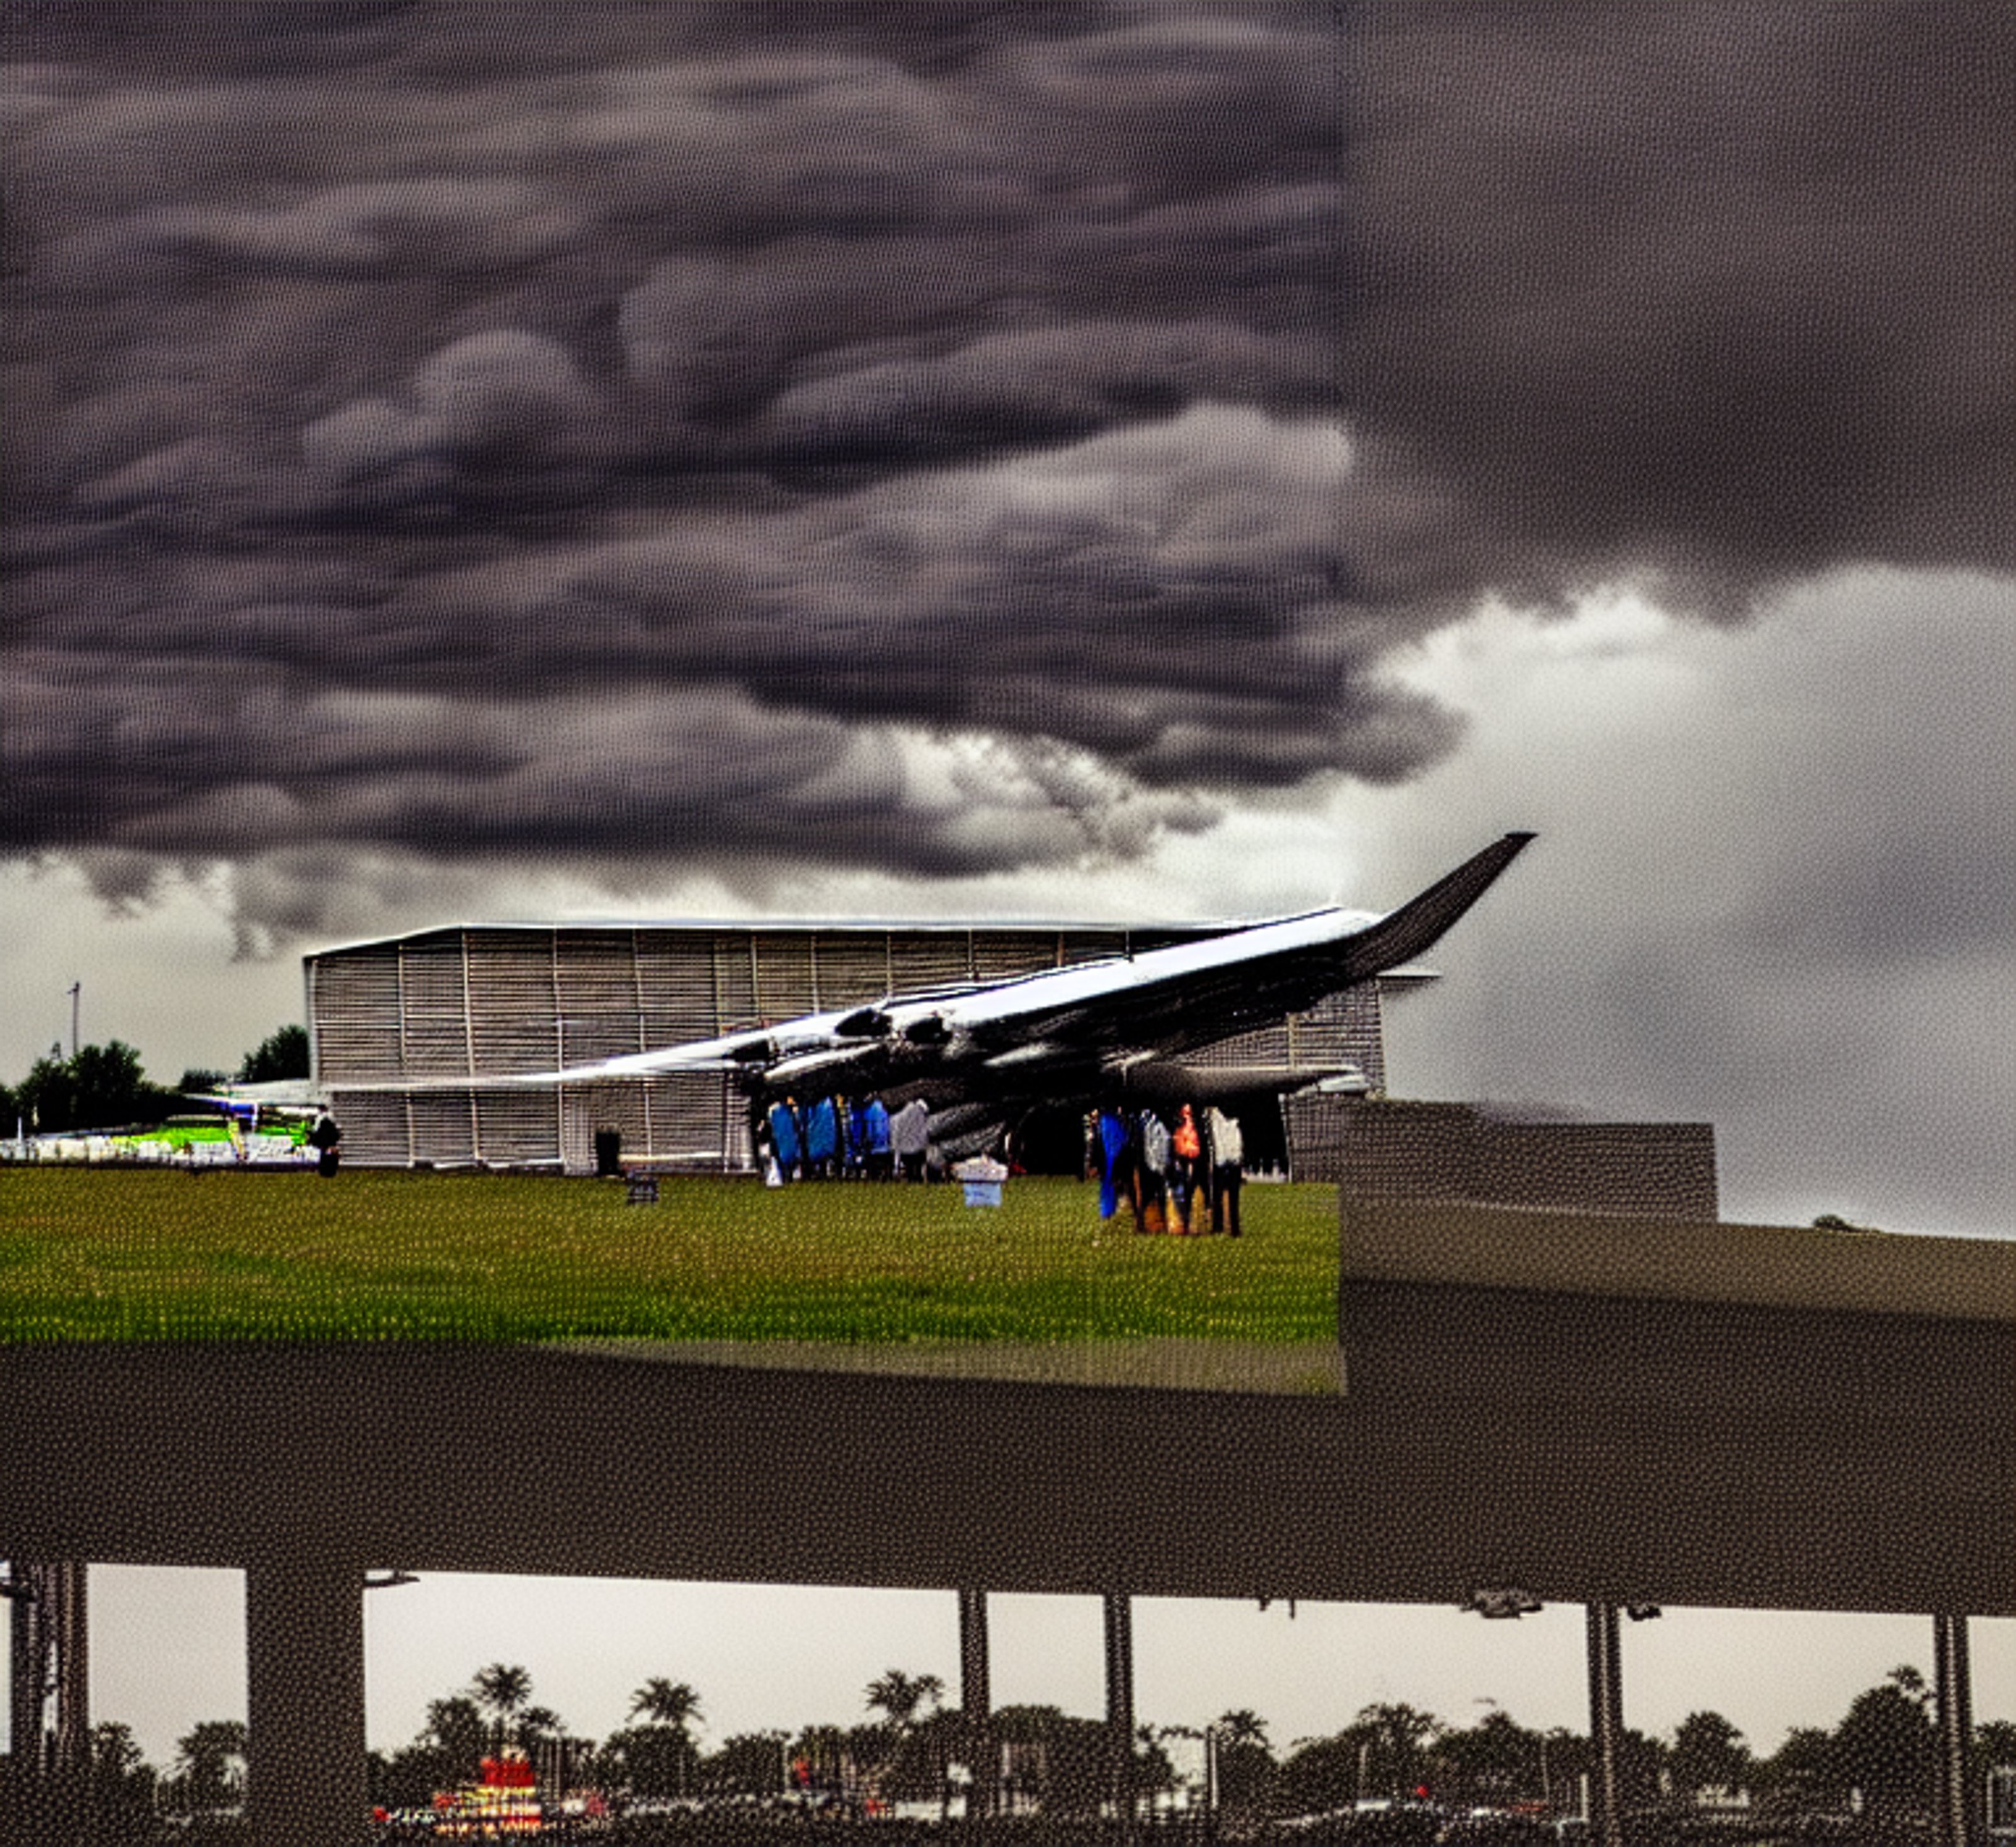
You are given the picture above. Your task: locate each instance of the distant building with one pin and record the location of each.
(488, 999)
(1393, 1149)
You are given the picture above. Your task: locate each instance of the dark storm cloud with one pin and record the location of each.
(607, 440)
(928, 436)
(1716, 290)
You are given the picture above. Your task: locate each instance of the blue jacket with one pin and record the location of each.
(822, 1131)
(1112, 1139)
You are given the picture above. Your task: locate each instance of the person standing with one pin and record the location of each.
(1185, 1169)
(1155, 1173)
(910, 1137)
(822, 1139)
(322, 1138)
(854, 1139)
(875, 1138)
(784, 1143)
(1116, 1177)
(1227, 1155)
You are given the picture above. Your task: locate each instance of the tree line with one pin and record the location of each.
(106, 1087)
(1879, 1759)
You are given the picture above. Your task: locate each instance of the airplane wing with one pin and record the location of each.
(1129, 1020)
(1401, 936)
(299, 1096)
(1195, 994)
(748, 1053)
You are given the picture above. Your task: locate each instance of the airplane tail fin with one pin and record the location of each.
(1403, 934)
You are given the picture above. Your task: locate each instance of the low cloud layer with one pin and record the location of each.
(1711, 293)
(1772, 891)
(929, 439)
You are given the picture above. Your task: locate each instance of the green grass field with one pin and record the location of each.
(127, 1254)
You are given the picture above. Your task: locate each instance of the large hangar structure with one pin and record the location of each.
(484, 1001)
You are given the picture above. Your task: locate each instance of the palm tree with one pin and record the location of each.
(503, 1689)
(666, 1702)
(670, 1707)
(900, 1694)
(1404, 1733)
(1242, 1726)
(211, 1764)
(536, 1724)
(1245, 1767)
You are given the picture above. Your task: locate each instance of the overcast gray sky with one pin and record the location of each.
(1112, 460)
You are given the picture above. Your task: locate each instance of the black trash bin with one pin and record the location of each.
(608, 1154)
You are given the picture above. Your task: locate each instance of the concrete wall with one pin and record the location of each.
(1450, 1151)
(1603, 1440)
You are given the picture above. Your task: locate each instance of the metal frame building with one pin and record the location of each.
(484, 1000)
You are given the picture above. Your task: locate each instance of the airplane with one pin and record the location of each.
(983, 1054)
